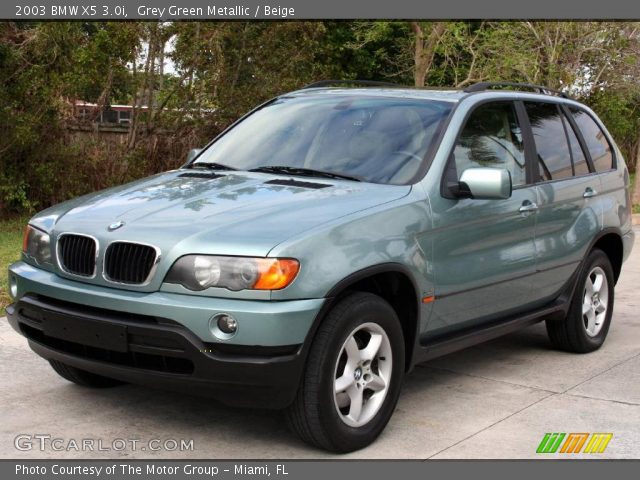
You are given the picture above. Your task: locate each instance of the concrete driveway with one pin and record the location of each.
(495, 400)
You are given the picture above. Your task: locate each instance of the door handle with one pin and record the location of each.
(589, 192)
(528, 207)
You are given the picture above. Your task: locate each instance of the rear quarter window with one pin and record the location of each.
(595, 139)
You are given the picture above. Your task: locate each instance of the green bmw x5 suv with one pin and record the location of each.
(332, 238)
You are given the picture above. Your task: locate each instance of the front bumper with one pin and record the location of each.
(156, 353)
(260, 322)
(156, 339)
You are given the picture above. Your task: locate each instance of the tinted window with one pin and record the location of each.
(554, 158)
(594, 137)
(378, 139)
(580, 165)
(491, 138)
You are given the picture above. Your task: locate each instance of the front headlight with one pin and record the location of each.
(37, 245)
(198, 272)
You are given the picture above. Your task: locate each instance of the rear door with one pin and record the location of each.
(613, 177)
(483, 250)
(567, 187)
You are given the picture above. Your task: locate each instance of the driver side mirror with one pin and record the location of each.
(193, 153)
(485, 183)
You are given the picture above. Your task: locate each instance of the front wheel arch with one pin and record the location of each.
(393, 282)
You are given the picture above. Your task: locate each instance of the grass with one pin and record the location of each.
(10, 246)
(636, 206)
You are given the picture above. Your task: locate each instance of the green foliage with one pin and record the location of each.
(384, 50)
(101, 62)
(223, 69)
(620, 111)
(42, 67)
(10, 245)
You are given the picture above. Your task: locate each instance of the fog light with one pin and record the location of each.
(227, 324)
(223, 326)
(13, 287)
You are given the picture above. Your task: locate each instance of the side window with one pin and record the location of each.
(580, 165)
(554, 157)
(597, 143)
(491, 138)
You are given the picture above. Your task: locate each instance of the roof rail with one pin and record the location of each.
(482, 86)
(368, 83)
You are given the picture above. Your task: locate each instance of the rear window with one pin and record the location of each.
(554, 157)
(597, 143)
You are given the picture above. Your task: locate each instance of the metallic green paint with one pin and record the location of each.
(481, 258)
(260, 322)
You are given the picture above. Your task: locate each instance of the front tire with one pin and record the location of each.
(353, 376)
(586, 326)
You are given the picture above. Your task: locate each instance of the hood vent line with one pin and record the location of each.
(292, 182)
(207, 175)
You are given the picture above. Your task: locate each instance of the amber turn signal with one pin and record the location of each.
(274, 273)
(25, 238)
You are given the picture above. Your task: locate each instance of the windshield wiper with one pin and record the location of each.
(210, 166)
(304, 172)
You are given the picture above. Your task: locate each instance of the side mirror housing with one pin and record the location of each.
(193, 153)
(485, 183)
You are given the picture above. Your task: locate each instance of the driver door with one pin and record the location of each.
(483, 250)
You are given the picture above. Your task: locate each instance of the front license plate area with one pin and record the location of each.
(92, 333)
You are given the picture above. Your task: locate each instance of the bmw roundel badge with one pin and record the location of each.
(115, 225)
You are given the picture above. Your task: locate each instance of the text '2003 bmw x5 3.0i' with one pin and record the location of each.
(328, 241)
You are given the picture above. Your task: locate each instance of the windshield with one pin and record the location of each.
(375, 139)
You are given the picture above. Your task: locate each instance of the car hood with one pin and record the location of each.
(234, 213)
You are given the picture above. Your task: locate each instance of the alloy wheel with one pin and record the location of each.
(595, 301)
(362, 374)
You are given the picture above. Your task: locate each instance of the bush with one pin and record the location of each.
(85, 162)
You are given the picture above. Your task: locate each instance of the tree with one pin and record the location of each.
(223, 69)
(425, 45)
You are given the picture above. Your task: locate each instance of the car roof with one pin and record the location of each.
(426, 94)
(441, 94)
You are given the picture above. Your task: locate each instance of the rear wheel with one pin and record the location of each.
(353, 376)
(587, 323)
(82, 377)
